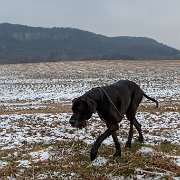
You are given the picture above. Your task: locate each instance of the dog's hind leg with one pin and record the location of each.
(130, 136)
(131, 112)
(138, 127)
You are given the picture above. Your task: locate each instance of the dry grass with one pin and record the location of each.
(73, 157)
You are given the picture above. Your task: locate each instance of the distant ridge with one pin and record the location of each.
(24, 44)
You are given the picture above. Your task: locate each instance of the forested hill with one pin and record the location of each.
(20, 43)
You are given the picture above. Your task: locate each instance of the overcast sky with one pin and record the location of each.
(157, 19)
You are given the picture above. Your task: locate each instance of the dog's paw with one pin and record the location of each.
(93, 154)
(128, 145)
(141, 139)
(118, 153)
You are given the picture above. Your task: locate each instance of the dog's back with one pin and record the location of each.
(124, 88)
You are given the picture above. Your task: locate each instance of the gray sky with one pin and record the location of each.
(157, 19)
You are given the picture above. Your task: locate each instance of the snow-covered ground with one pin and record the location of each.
(64, 81)
(46, 128)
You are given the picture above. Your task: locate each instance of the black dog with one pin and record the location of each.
(111, 103)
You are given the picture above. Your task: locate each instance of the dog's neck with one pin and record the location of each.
(96, 95)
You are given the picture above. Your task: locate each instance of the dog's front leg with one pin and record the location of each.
(112, 128)
(117, 144)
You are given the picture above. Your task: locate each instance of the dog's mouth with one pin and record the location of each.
(81, 124)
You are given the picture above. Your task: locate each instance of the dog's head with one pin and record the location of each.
(83, 108)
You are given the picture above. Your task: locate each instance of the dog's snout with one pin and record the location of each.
(72, 122)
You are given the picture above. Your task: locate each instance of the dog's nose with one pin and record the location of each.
(72, 122)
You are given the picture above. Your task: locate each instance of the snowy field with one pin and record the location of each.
(35, 107)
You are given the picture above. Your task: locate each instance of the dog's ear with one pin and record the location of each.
(74, 100)
(92, 105)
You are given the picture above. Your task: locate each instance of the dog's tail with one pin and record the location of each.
(152, 99)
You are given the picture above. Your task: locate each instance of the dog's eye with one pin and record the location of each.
(75, 110)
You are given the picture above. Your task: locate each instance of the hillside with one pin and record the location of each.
(20, 43)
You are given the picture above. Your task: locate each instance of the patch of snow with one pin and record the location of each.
(99, 161)
(146, 150)
(24, 163)
(155, 174)
(176, 159)
(40, 155)
(2, 164)
(58, 175)
(118, 177)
